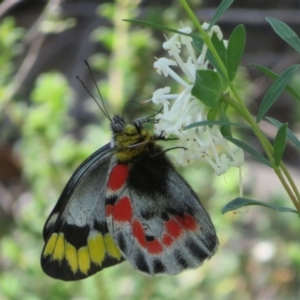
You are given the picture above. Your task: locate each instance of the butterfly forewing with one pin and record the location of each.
(155, 218)
(77, 241)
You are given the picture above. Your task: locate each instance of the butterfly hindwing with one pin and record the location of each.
(155, 218)
(77, 241)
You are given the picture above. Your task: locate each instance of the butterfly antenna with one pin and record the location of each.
(104, 109)
(140, 104)
(83, 84)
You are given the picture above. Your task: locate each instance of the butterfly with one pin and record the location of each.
(127, 202)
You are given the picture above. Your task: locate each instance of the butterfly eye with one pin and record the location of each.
(117, 126)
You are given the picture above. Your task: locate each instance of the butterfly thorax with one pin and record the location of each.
(130, 140)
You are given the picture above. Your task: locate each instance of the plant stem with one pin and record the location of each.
(205, 37)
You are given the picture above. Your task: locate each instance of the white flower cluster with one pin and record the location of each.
(180, 110)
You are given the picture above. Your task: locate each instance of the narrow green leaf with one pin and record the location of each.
(290, 134)
(285, 32)
(235, 50)
(211, 123)
(250, 150)
(275, 90)
(241, 202)
(198, 44)
(220, 47)
(225, 129)
(279, 144)
(274, 76)
(155, 26)
(207, 87)
(225, 4)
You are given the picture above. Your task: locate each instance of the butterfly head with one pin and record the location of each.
(129, 139)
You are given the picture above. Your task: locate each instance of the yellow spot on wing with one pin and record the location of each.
(96, 248)
(49, 248)
(59, 250)
(71, 257)
(84, 260)
(111, 247)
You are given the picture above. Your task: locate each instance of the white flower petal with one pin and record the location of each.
(202, 143)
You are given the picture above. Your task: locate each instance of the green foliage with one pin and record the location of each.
(235, 50)
(207, 88)
(290, 134)
(256, 154)
(279, 144)
(274, 76)
(221, 9)
(285, 32)
(127, 66)
(9, 47)
(275, 90)
(241, 202)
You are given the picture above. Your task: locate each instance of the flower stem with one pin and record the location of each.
(291, 181)
(205, 37)
(287, 188)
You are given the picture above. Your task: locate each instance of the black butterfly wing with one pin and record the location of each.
(77, 241)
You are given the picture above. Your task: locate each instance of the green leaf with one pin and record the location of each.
(211, 123)
(290, 134)
(155, 26)
(198, 44)
(250, 150)
(279, 144)
(241, 202)
(207, 87)
(286, 33)
(225, 4)
(275, 90)
(235, 50)
(220, 47)
(274, 76)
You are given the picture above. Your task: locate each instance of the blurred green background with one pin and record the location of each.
(49, 125)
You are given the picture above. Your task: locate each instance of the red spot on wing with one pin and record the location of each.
(187, 222)
(177, 225)
(167, 240)
(154, 247)
(117, 177)
(109, 210)
(173, 228)
(138, 233)
(122, 210)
